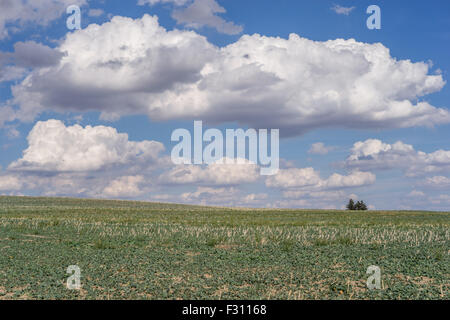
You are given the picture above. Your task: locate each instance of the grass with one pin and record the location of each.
(135, 250)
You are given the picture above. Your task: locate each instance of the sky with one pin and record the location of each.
(362, 113)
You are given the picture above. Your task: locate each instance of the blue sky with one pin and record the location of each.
(387, 152)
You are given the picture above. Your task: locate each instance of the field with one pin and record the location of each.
(133, 250)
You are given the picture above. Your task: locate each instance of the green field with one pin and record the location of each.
(134, 250)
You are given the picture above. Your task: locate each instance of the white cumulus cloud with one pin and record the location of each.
(438, 182)
(342, 10)
(320, 148)
(374, 154)
(220, 173)
(56, 147)
(9, 183)
(309, 179)
(124, 187)
(131, 66)
(204, 13)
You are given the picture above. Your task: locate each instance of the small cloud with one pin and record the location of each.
(124, 187)
(342, 10)
(286, 164)
(415, 194)
(95, 12)
(437, 181)
(153, 2)
(320, 148)
(161, 197)
(353, 196)
(13, 133)
(205, 13)
(12, 73)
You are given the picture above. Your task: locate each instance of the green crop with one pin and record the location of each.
(136, 250)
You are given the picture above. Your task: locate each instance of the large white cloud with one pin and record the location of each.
(84, 161)
(374, 154)
(122, 67)
(131, 66)
(55, 147)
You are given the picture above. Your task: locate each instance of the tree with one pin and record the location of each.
(363, 205)
(351, 205)
(360, 205)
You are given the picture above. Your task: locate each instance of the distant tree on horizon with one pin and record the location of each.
(360, 205)
(351, 205)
